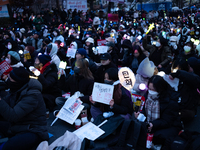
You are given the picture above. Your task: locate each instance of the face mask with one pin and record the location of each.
(76, 70)
(139, 33)
(152, 92)
(55, 33)
(37, 66)
(173, 43)
(187, 49)
(9, 46)
(8, 61)
(108, 82)
(158, 44)
(197, 33)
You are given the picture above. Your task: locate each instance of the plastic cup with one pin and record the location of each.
(77, 123)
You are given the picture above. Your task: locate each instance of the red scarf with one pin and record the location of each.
(44, 67)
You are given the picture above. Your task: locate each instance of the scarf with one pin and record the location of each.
(152, 108)
(44, 67)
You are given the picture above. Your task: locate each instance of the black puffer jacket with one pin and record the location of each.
(99, 75)
(49, 81)
(25, 110)
(168, 114)
(187, 90)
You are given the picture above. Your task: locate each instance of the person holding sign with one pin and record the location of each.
(13, 59)
(121, 104)
(81, 81)
(47, 75)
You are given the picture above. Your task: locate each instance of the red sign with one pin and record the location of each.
(5, 68)
(101, 42)
(113, 17)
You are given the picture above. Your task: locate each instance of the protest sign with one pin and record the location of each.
(77, 4)
(89, 131)
(102, 49)
(71, 52)
(62, 65)
(102, 93)
(4, 11)
(101, 42)
(5, 68)
(67, 116)
(71, 109)
(126, 78)
(113, 17)
(27, 55)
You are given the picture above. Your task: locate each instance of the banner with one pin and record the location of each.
(77, 4)
(113, 17)
(4, 2)
(101, 42)
(4, 11)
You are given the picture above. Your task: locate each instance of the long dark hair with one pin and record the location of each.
(159, 84)
(84, 69)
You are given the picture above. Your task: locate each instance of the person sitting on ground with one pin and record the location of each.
(23, 115)
(106, 63)
(82, 54)
(188, 88)
(121, 104)
(161, 111)
(82, 81)
(48, 77)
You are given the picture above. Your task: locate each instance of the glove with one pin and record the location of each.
(36, 72)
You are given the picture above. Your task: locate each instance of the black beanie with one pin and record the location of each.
(44, 59)
(20, 75)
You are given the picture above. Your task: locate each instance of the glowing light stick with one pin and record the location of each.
(150, 28)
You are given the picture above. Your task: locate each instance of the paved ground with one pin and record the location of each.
(59, 128)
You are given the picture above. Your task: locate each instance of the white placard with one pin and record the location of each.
(126, 78)
(72, 104)
(102, 49)
(89, 131)
(67, 116)
(102, 93)
(71, 52)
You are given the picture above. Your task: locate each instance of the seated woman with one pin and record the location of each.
(81, 81)
(22, 112)
(161, 111)
(121, 103)
(30, 56)
(48, 77)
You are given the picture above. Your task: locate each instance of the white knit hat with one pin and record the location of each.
(174, 38)
(90, 40)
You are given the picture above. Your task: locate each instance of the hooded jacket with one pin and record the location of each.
(54, 58)
(25, 110)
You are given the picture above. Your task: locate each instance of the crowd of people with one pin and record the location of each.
(164, 58)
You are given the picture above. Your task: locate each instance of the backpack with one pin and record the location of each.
(132, 135)
(186, 140)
